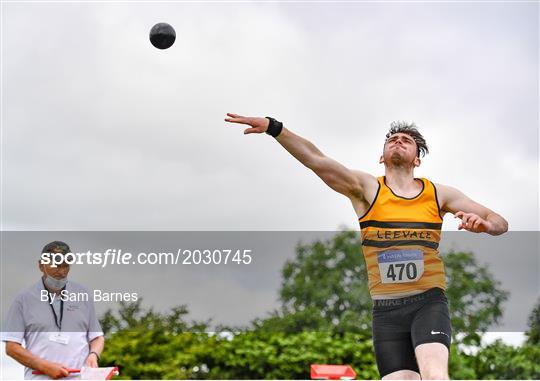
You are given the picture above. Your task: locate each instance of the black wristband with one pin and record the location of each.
(274, 128)
(97, 356)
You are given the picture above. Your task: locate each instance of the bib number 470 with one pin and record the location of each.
(401, 266)
(398, 271)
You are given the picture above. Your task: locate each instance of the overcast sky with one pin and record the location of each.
(103, 131)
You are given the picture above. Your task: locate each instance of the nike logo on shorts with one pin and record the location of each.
(438, 333)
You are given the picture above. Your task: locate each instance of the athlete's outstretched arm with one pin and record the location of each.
(474, 217)
(341, 179)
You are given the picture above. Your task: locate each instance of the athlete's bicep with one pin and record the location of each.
(453, 201)
(348, 182)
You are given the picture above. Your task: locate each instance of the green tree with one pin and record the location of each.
(277, 355)
(475, 296)
(324, 288)
(145, 344)
(164, 346)
(459, 365)
(497, 361)
(533, 333)
(148, 345)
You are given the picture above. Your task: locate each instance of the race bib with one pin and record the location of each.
(401, 266)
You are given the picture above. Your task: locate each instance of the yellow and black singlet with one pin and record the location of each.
(400, 241)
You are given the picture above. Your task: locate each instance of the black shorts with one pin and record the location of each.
(400, 325)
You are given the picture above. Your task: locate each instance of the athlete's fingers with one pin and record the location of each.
(235, 120)
(483, 226)
(251, 130)
(477, 223)
(470, 224)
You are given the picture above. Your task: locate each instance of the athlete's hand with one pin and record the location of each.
(472, 222)
(258, 125)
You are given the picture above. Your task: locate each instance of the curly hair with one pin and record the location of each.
(411, 130)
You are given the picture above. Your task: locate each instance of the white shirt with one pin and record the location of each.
(30, 319)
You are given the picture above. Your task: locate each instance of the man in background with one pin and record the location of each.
(48, 333)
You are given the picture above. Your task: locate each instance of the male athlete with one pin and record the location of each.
(400, 220)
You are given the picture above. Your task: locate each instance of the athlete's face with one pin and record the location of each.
(400, 149)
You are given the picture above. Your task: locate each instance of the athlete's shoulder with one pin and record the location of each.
(444, 190)
(369, 184)
(446, 195)
(428, 180)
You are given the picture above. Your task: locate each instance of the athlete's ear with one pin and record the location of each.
(381, 160)
(417, 161)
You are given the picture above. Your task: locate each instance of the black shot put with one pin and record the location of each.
(162, 35)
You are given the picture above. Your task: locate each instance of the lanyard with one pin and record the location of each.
(56, 321)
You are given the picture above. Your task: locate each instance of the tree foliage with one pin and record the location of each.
(324, 289)
(475, 297)
(533, 333)
(147, 345)
(162, 346)
(277, 355)
(497, 361)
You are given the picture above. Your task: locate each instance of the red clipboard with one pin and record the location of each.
(104, 373)
(68, 369)
(332, 372)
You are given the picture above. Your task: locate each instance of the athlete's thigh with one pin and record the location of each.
(394, 350)
(395, 356)
(432, 360)
(431, 334)
(431, 323)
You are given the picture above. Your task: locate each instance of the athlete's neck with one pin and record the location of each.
(401, 180)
